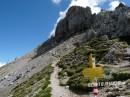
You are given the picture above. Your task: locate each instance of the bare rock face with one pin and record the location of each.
(80, 20)
(46, 46)
(77, 19)
(113, 23)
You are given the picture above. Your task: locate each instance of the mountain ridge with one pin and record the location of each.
(80, 20)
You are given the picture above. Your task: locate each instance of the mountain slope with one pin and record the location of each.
(107, 33)
(11, 77)
(80, 20)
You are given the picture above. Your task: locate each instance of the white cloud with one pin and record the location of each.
(113, 5)
(93, 4)
(2, 64)
(56, 1)
(62, 14)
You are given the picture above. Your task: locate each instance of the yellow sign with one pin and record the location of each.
(92, 73)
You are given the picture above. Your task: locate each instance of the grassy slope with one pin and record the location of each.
(73, 63)
(36, 86)
(72, 66)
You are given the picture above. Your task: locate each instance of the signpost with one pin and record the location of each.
(93, 73)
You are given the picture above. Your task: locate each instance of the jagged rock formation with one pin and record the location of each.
(80, 20)
(113, 23)
(77, 20)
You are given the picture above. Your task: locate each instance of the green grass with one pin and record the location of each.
(44, 92)
(26, 87)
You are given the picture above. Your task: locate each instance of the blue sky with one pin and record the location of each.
(24, 24)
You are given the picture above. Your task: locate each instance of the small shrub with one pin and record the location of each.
(121, 76)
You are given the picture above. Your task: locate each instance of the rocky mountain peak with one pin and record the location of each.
(121, 5)
(77, 19)
(80, 20)
(122, 8)
(75, 10)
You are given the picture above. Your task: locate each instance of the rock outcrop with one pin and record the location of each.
(113, 23)
(77, 19)
(80, 20)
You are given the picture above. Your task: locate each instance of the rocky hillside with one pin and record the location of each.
(25, 67)
(80, 20)
(107, 33)
(105, 51)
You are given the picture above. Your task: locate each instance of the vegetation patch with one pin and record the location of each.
(121, 76)
(29, 87)
(73, 63)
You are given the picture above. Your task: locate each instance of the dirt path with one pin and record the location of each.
(60, 91)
